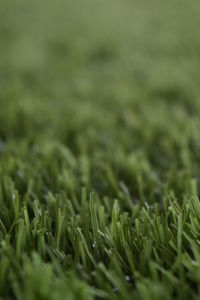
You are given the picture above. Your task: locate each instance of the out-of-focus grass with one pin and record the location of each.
(99, 100)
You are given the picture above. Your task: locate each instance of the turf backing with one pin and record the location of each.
(99, 150)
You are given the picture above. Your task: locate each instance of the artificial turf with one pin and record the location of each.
(99, 149)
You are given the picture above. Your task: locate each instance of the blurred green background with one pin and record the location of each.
(114, 84)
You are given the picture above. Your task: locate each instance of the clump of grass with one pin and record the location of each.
(99, 150)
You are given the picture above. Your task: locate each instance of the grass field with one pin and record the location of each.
(99, 150)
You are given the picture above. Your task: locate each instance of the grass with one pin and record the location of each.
(99, 150)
